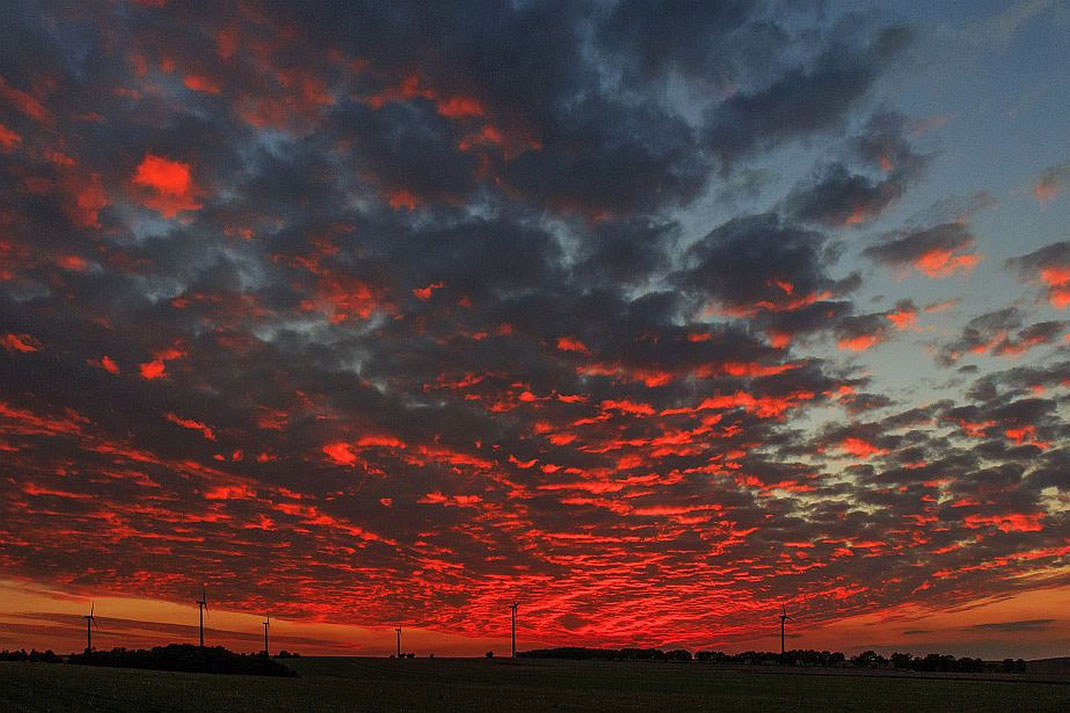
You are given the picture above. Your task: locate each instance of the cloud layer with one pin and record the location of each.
(390, 316)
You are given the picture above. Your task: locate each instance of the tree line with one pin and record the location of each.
(185, 657)
(36, 656)
(173, 657)
(799, 657)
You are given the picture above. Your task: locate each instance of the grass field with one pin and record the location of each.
(352, 684)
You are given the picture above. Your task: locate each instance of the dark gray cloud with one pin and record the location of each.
(1022, 625)
(805, 100)
(758, 262)
(998, 333)
(836, 196)
(938, 251)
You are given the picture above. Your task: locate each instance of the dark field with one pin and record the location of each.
(356, 684)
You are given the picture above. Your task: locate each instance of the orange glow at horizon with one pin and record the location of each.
(35, 617)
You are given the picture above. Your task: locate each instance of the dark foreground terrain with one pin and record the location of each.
(355, 684)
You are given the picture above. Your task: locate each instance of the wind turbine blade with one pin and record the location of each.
(91, 608)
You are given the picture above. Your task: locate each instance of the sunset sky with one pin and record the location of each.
(654, 316)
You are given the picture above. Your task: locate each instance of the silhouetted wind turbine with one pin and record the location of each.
(513, 607)
(202, 607)
(398, 632)
(267, 623)
(90, 622)
(784, 616)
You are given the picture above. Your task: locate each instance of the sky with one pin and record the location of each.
(654, 317)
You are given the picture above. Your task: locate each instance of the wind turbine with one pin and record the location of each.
(90, 623)
(513, 607)
(267, 623)
(202, 607)
(784, 616)
(398, 632)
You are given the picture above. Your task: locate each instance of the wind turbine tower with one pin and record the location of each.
(513, 607)
(267, 623)
(784, 616)
(202, 607)
(90, 622)
(398, 633)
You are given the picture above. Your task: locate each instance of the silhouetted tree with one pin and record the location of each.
(185, 657)
(34, 656)
(796, 657)
(47, 656)
(869, 659)
(900, 660)
(1012, 666)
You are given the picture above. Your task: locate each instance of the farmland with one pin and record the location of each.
(364, 684)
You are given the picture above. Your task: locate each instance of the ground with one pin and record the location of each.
(442, 685)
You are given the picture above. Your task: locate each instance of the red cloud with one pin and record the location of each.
(402, 198)
(1045, 192)
(86, 199)
(1057, 278)
(903, 317)
(230, 492)
(157, 368)
(733, 368)
(9, 140)
(629, 407)
(858, 344)
(207, 432)
(380, 442)
(650, 377)
(437, 498)
(1014, 522)
(1051, 183)
(106, 363)
(1049, 266)
(860, 448)
(944, 263)
(570, 344)
(23, 101)
(460, 107)
(73, 263)
(19, 343)
(198, 83)
(170, 183)
(341, 297)
(424, 293)
(341, 453)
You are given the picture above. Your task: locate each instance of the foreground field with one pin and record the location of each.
(352, 684)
